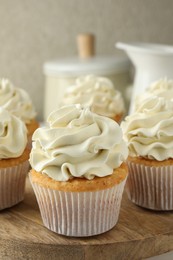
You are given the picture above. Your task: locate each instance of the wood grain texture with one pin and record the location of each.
(139, 234)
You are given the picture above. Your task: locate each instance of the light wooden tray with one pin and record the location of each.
(139, 234)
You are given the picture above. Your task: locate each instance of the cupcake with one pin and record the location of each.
(160, 88)
(149, 135)
(14, 156)
(99, 94)
(18, 102)
(78, 171)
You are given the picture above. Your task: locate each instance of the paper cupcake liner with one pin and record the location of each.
(12, 184)
(79, 213)
(150, 187)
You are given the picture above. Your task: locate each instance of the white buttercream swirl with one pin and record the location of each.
(13, 135)
(149, 131)
(77, 143)
(16, 100)
(98, 93)
(161, 88)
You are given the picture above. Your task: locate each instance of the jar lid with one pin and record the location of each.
(100, 65)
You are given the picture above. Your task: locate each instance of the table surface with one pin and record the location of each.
(140, 233)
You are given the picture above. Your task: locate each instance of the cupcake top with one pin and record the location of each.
(98, 93)
(160, 88)
(77, 143)
(149, 131)
(16, 100)
(13, 135)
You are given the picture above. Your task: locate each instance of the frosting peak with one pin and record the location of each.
(13, 135)
(161, 88)
(16, 100)
(149, 131)
(98, 93)
(77, 143)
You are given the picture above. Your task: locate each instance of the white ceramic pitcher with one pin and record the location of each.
(152, 62)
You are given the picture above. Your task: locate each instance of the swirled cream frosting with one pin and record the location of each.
(16, 100)
(98, 93)
(77, 143)
(149, 131)
(13, 135)
(160, 88)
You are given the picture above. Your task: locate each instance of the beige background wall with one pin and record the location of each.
(35, 31)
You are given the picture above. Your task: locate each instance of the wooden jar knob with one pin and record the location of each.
(85, 44)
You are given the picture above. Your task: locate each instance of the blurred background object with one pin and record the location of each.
(152, 62)
(33, 32)
(62, 73)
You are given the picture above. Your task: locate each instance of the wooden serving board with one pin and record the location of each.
(140, 233)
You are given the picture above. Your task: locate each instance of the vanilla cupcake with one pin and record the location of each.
(99, 94)
(161, 88)
(14, 156)
(78, 171)
(18, 102)
(149, 135)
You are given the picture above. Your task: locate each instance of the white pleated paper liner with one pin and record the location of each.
(79, 214)
(12, 184)
(150, 187)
